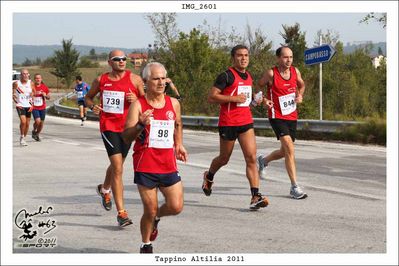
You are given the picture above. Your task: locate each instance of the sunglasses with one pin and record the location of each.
(118, 58)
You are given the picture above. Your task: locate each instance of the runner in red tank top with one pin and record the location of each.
(117, 89)
(39, 106)
(233, 91)
(154, 121)
(285, 91)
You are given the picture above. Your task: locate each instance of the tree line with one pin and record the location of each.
(353, 89)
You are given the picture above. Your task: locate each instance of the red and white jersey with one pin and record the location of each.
(113, 101)
(283, 93)
(154, 151)
(24, 94)
(237, 114)
(39, 102)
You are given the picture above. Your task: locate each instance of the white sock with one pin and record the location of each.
(105, 190)
(142, 244)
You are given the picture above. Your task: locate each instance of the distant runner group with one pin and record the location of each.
(137, 109)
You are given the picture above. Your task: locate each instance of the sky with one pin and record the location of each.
(132, 30)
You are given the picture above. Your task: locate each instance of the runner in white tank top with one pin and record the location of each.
(23, 90)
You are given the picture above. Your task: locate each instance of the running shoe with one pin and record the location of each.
(261, 167)
(147, 248)
(22, 142)
(154, 232)
(106, 201)
(123, 219)
(297, 193)
(82, 124)
(258, 201)
(207, 184)
(35, 136)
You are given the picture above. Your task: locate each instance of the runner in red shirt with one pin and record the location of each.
(233, 91)
(154, 121)
(285, 89)
(118, 89)
(39, 106)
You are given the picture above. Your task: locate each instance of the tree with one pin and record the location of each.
(218, 38)
(331, 37)
(66, 63)
(85, 62)
(193, 64)
(295, 39)
(379, 17)
(48, 63)
(380, 52)
(92, 54)
(27, 62)
(164, 26)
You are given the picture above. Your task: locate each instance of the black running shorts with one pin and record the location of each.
(24, 111)
(151, 180)
(114, 143)
(82, 102)
(232, 132)
(283, 127)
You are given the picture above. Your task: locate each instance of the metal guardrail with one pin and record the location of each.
(212, 121)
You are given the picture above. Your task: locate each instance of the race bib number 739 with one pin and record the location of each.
(113, 101)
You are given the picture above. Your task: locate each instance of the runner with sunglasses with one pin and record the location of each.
(118, 89)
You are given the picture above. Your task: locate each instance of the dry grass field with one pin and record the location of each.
(88, 75)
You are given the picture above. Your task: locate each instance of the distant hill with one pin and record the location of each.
(350, 48)
(21, 52)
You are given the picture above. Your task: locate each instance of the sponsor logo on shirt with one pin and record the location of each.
(170, 115)
(108, 85)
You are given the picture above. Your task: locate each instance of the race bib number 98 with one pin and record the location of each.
(113, 102)
(247, 90)
(161, 134)
(287, 103)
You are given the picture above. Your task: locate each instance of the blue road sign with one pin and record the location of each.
(319, 54)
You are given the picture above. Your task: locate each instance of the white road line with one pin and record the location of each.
(323, 188)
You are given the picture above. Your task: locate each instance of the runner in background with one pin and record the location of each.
(39, 106)
(23, 89)
(81, 90)
(169, 85)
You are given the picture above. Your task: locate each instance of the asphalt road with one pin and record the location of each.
(344, 213)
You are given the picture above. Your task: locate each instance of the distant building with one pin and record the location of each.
(138, 59)
(376, 60)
